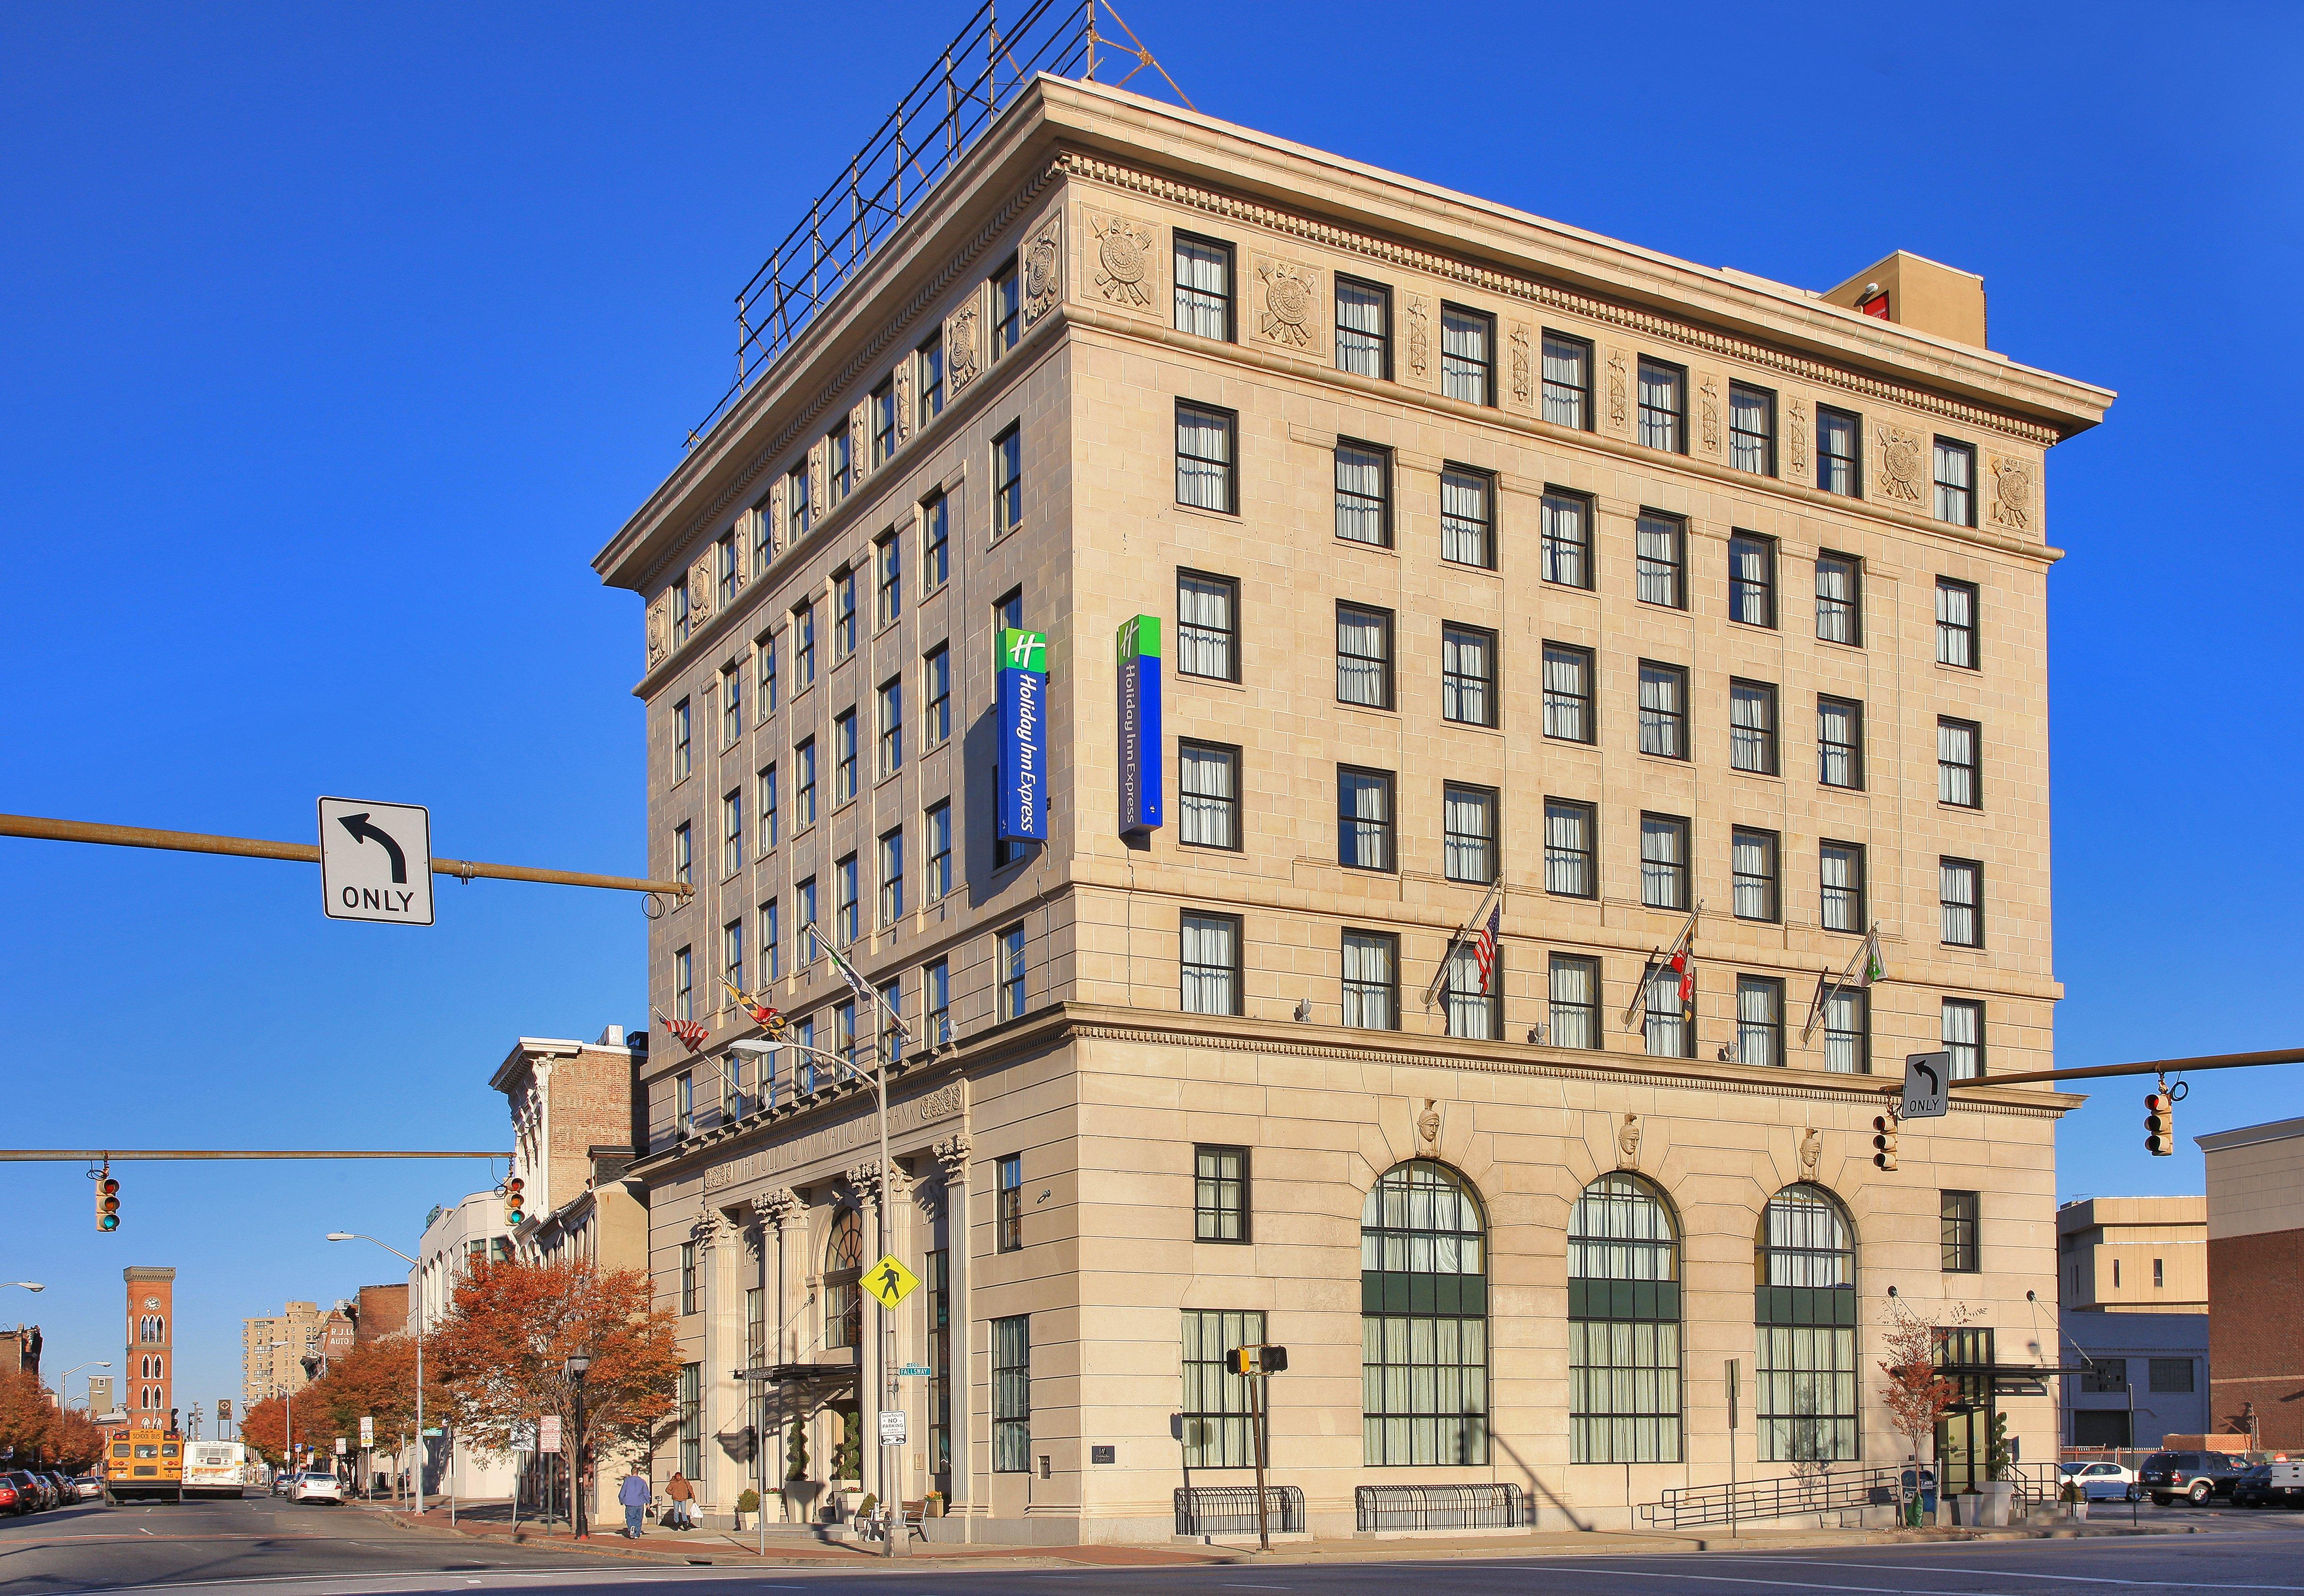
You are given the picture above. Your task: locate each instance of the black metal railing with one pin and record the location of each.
(1379, 1508)
(1697, 1507)
(1231, 1509)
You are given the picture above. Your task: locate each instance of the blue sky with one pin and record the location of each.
(341, 338)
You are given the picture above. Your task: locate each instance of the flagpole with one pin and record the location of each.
(1439, 976)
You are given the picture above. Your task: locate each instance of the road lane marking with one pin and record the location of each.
(2085, 1579)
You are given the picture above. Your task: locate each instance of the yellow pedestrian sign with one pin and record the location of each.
(890, 1282)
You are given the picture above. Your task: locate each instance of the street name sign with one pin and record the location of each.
(889, 1281)
(375, 862)
(913, 1372)
(1927, 1080)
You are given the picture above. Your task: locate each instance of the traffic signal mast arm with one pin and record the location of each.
(2293, 1055)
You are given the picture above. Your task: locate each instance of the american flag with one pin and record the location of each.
(1484, 946)
(693, 1034)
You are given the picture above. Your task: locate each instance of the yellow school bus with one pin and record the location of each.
(146, 1466)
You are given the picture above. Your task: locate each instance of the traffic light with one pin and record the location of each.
(107, 1200)
(1257, 1360)
(515, 1205)
(2160, 1124)
(1883, 1141)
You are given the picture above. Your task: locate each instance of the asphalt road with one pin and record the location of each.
(265, 1546)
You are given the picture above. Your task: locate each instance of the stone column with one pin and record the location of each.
(952, 1156)
(874, 1368)
(775, 1207)
(720, 1392)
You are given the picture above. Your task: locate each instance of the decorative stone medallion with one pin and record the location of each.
(1900, 465)
(963, 359)
(699, 592)
(657, 632)
(2012, 494)
(1288, 295)
(1123, 260)
(1043, 272)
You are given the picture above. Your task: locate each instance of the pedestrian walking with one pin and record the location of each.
(634, 1496)
(683, 1501)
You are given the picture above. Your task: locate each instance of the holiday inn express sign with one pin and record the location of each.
(1024, 732)
(1139, 724)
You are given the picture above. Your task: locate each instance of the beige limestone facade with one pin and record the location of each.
(1498, 550)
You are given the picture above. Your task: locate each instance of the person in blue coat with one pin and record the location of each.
(634, 1496)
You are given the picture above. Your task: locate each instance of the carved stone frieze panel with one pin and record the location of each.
(903, 400)
(952, 1156)
(659, 631)
(1125, 261)
(1903, 464)
(859, 442)
(778, 508)
(1619, 392)
(1043, 270)
(1291, 293)
(699, 591)
(1707, 432)
(964, 349)
(1523, 368)
(1419, 338)
(1796, 439)
(815, 478)
(2011, 504)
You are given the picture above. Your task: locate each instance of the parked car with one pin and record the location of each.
(2103, 1481)
(67, 1493)
(2270, 1485)
(13, 1502)
(90, 1488)
(2198, 1477)
(317, 1487)
(29, 1497)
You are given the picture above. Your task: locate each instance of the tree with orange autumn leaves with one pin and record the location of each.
(36, 1434)
(1916, 1396)
(375, 1382)
(500, 1350)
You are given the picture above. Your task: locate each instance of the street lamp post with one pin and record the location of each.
(26, 1285)
(576, 1368)
(63, 1385)
(288, 1414)
(420, 1448)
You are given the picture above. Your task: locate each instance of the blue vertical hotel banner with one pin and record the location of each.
(1023, 713)
(1139, 724)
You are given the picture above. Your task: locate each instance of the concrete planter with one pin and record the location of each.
(1995, 1500)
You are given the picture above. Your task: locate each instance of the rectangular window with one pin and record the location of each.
(681, 613)
(935, 542)
(1839, 453)
(845, 892)
(1205, 437)
(691, 1418)
(1753, 867)
(936, 667)
(1752, 429)
(1207, 626)
(1364, 656)
(886, 1014)
(1372, 980)
(732, 705)
(1472, 999)
(1468, 675)
(731, 833)
(1467, 516)
(892, 727)
(1012, 1395)
(1008, 1204)
(1424, 1375)
(1007, 482)
(1839, 599)
(938, 816)
(1363, 818)
(1959, 778)
(839, 468)
(936, 1000)
(889, 588)
(1217, 1416)
(1006, 303)
(772, 941)
(844, 613)
(688, 1278)
(1664, 405)
(1848, 1031)
(1661, 544)
(891, 877)
(803, 630)
(1963, 1038)
(1961, 885)
(1220, 1194)
(1956, 623)
(1568, 845)
(796, 505)
(1669, 1025)
(1573, 986)
(1567, 539)
(1364, 493)
(732, 955)
(764, 537)
(2169, 1374)
(1469, 832)
(765, 644)
(881, 413)
(1664, 710)
(1209, 951)
(1468, 355)
(1760, 1021)
(930, 356)
(1955, 483)
(1567, 381)
(683, 1102)
(1663, 861)
(1009, 971)
(843, 756)
(1363, 328)
(1568, 693)
(682, 748)
(1841, 872)
(1207, 784)
(1959, 1215)
(1752, 578)
(683, 853)
(1752, 727)
(843, 1031)
(804, 783)
(1203, 287)
(806, 922)
(1840, 743)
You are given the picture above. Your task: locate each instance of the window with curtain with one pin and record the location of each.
(1217, 1405)
(1008, 1204)
(1207, 626)
(888, 589)
(935, 1285)
(1469, 832)
(1568, 844)
(765, 646)
(1574, 989)
(1568, 693)
(1955, 483)
(1752, 862)
(731, 833)
(1567, 381)
(1204, 457)
(691, 1419)
(1669, 1026)
(1220, 1194)
(732, 963)
(1424, 1324)
(1471, 1001)
(891, 726)
(1012, 1395)
(1467, 516)
(1752, 578)
(1664, 406)
(1211, 964)
(1839, 462)
(1963, 1037)
(1959, 1219)
(1848, 1031)
(1468, 355)
(1207, 784)
(796, 505)
(1623, 1325)
(839, 467)
(1663, 861)
(732, 705)
(1958, 777)
(1841, 875)
(1961, 889)
(1664, 710)
(1840, 742)
(1363, 818)
(892, 876)
(845, 890)
(1660, 543)
(935, 999)
(1955, 623)
(1760, 1021)
(1839, 614)
(1007, 482)
(1010, 972)
(844, 612)
(936, 542)
(682, 747)
(1007, 303)
(1468, 675)
(1364, 493)
(936, 667)
(937, 818)
(1364, 656)
(771, 831)
(1363, 328)
(1203, 287)
(1372, 980)
(1752, 429)
(803, 631)
(930, 356)
(1752, 727)
(844, 1265)
(1567, 539)
(1806, 1396)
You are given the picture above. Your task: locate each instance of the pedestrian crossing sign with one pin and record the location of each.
(890, 1282)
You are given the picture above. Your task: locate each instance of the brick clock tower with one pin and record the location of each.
(150, 1381)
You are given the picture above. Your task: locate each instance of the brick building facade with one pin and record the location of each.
(2256, 1281)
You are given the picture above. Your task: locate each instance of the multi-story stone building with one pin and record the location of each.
(2134, 1310)
(2256, 1281)
(273, 1350)
(576, 1119)
(1482, 552)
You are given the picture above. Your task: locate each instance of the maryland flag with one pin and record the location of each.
(763, 1014)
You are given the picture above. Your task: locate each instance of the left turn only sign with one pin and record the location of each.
(375, 861)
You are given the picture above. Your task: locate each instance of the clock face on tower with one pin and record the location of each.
(151, 1302)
